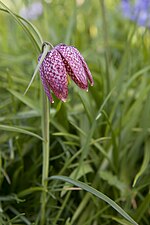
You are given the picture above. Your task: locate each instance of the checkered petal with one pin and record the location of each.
(87, 71)
(54, 75)
(45, 85)
(75, 65)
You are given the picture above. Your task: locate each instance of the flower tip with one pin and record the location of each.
(52, 101)
(92, 83)
(87, 90)
(64, 99)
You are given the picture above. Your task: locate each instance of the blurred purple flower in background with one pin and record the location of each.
(32, 12)
(138, 11)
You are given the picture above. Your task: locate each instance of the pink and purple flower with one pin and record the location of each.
(60, 62)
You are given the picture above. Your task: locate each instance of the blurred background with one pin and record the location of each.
(104, 134)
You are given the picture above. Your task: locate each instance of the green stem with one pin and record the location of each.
(106, 45)
(46, 154)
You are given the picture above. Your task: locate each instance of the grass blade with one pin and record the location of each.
(19, 130)
(98, 194)
(145, 163)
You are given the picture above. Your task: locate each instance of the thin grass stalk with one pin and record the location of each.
(46, 154)
(106, 45)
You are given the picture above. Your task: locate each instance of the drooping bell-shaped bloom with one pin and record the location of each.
(60, 62)
(137, 10)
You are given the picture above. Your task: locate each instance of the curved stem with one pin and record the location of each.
(45, 43)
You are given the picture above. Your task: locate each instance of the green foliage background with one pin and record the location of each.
(101, 138)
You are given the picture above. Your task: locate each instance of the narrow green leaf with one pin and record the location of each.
(85, 169)
(145, 163)
(18, 215)
(121, 221)
(24, 27)
(98, 194)
(35, 30)
(46, 49)
(19, 130)
(30, 191)
(26, 100)
(66, 135)
(144, 206)
(11, 197)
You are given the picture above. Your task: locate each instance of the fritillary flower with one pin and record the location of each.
(60, 62)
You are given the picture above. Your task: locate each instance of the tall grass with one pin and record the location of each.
(98, 167)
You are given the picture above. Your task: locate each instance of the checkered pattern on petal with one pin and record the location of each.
(45, 84)
(88, 73)
(59, 62)
(74, 65)
(55, 75)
